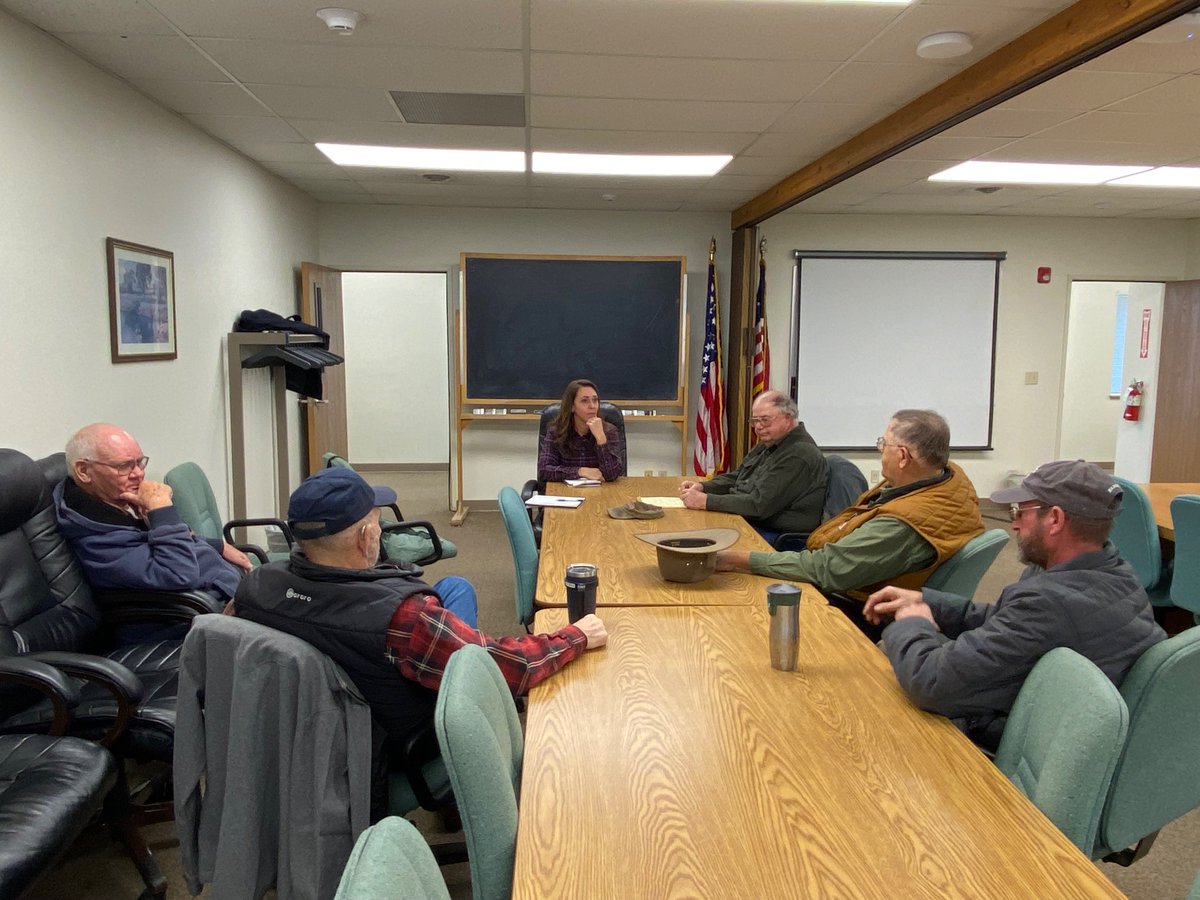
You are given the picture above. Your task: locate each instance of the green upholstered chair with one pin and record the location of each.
(192, 495)
(961, 573)
(415, 542)
(524, 552)
(1135, 535)
(483, 747)
(1185, 582)
(1155, 781)
(846, 484)
(1194, 893)
(391, 860)
(1062, 741)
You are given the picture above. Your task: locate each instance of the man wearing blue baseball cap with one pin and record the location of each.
(1077, 592)
(389, 630)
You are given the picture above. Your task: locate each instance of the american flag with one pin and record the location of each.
(712, 449)
(760, 378)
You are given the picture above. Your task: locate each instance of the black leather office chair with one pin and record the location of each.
(846, 484)
(610, 414)
(48, 613)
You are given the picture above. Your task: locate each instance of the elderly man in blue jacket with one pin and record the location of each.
(125, 529)
(967, 661)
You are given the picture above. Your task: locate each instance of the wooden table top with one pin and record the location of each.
(676, 763)
(628, 567)
(1161, 494)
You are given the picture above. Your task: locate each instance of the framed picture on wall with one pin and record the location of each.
(141, 302)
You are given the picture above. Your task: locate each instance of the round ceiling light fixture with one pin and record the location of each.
(944, 45)
(342, 21)
(436, 177)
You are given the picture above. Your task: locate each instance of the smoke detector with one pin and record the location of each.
(436, 177)
(341, 21)
(944, 45)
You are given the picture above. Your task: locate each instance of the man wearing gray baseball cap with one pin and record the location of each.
(1077, 592)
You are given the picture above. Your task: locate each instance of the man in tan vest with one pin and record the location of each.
(898, 532)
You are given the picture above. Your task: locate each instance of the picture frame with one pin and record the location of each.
(141, 302)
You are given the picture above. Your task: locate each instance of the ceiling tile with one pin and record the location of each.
(1085, 90)
(1003, 122)
(651, 115)
(333, 104)
(564, 140)
(245, 128)
(400, 134)
(104, 17)
(663, 28)
(447, 23)
(145, 58)
(575, 75)
(345, 64)
(989, 26)
(1179, 96)
(202, 97)
(1121, 126)
(885, 84)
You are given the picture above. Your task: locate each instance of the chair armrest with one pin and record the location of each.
(420, 748)
(531, 487)
(528, 489)
(125, 605)
(395, 508)
(227, 533)
(254, 550)
(419, 524)
(43, 677)
(792, 540)
(125, 687)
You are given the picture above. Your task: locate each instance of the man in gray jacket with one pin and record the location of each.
(967, 661)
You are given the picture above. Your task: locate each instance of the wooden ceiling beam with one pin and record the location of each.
(1078, 33)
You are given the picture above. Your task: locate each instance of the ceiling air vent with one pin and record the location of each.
(423, 108)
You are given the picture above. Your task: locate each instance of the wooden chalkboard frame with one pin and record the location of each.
(674, 384)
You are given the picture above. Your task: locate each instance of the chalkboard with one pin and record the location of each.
(531, 324)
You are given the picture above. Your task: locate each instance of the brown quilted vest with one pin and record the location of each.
(946, 514)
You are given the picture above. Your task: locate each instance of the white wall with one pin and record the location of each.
(411, 238)
(1089, 415)
(1032, 317)
(1135, 440)
(397, 378)
(82, 158)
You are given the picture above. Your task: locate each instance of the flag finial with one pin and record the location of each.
(762, 246)
(712, 249)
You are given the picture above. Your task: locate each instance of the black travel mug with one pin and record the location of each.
(581, 581)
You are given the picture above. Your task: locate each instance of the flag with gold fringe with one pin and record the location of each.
(760, 373)
(711, 456)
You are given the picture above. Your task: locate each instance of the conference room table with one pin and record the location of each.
(628, 567)
(676, 763)
(1161, 494)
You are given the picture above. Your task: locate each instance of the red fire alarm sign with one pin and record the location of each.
(1043, 274)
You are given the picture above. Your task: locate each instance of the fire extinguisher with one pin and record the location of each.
(1133, 401)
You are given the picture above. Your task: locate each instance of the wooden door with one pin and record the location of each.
(321, 305)
(1176, 455)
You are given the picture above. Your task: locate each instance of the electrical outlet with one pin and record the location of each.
(649, 473)
(874, 475)
(1031, 377)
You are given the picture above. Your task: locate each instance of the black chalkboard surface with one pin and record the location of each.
(531, 324)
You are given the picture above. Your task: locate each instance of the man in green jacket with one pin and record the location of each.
(780, 485)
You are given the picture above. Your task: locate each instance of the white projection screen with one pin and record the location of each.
(875, 332)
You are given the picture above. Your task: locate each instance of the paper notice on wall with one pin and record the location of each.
(1145, 349)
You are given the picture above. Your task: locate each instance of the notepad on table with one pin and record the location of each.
(664, 502)
(581, 482)
(547, 500)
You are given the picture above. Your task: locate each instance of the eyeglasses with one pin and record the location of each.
(124, 468)
(881, 442)
(762, 420)
(1015, 510)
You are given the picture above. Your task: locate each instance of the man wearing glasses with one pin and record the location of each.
(898, 532)
(125, 530)
(1077, 592)
(780, 485)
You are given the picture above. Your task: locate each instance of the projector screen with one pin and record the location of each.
(874, 332)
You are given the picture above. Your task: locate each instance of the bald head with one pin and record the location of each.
(106, 462)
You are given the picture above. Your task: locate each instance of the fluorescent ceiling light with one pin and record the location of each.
(1033, 173)
(617, 164)
(1165, 176)
(425, 158)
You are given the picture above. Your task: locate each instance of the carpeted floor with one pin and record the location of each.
(95, 868)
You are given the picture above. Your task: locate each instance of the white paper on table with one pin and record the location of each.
(664, 502)
(581, 482)
(547, 500)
